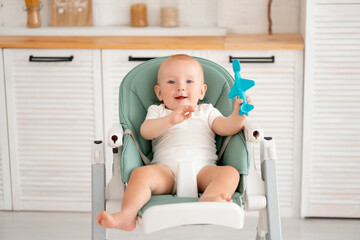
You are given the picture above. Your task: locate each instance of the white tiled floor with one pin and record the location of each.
(60, 226)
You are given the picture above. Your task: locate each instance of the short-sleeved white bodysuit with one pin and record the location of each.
(191, 140)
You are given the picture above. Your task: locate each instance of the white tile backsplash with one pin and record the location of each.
(239, 16)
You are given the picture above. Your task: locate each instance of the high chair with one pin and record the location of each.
(130, 150)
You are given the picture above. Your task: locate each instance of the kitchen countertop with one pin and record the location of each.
(241, 41)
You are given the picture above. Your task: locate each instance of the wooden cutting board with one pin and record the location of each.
(71, 13)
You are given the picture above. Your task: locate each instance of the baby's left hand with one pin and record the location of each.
(238, 103)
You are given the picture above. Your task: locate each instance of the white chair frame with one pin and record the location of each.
(261, 192)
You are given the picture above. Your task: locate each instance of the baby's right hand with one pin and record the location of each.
(181, 114)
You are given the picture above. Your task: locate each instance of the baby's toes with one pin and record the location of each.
(101, 217)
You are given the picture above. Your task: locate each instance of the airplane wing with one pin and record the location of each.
(233, 91)
(246, 84)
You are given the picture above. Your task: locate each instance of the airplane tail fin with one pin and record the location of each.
(245, 109)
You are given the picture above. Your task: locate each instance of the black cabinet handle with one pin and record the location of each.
(139, 59)
(253, 59)
(50, 59)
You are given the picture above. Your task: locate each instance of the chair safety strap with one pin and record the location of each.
(142, 155)
(222, 150)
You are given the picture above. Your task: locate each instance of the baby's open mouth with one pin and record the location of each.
(180, 97)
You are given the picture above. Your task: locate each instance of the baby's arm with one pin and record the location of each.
(227, 126)
(153, 128)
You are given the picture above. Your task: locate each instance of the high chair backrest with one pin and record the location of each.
(136, 94)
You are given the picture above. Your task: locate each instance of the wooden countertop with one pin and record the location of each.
(245, 41)
(264, 41)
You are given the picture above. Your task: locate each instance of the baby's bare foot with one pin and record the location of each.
(224, 197)
(118, 220)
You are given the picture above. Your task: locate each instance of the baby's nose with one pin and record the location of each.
(181, 86)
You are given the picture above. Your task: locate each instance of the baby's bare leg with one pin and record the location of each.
(217, 183)
(144, 181)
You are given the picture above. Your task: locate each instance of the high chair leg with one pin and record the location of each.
(97, 189)
(268, 173)
(273, 209)
(259, 238)
(262, 228)
(98, 199)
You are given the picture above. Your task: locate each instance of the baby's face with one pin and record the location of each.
(180, 83)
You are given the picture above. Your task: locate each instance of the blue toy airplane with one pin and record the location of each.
(240, 87)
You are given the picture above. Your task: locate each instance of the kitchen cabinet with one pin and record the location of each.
(277, 97)
(5, 182)
(331, 154)
(54, 107)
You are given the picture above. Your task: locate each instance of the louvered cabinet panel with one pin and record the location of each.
(54, 113)
(116, 65)
(331, 152)
(277, 97)
(5, 185)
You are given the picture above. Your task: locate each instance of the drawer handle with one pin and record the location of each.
(253, 59)
(50, 59)
(139, 59)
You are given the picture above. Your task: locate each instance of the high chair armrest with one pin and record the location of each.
(267, 149)
(115, 136)
(252, 132)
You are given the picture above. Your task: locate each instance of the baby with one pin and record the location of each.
(180, 130)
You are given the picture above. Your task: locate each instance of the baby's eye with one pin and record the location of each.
(171, 81)
(189, 81)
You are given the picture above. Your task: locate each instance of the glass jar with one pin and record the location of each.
(33, 17)
(33, 13)
(138, 14)
(169, 13)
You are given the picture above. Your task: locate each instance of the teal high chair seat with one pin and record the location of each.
(136, 94)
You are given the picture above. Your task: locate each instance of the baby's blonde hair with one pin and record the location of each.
(180, 57)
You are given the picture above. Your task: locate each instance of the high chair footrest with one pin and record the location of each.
(159, 217)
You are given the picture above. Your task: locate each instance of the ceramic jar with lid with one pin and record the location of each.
(138, 12)
(169, 13)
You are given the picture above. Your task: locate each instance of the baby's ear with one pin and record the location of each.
(203, 91)
(158, 92)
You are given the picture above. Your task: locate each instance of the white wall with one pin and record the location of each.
(239, 16)
(250, 16)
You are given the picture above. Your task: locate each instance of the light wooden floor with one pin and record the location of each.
(77, 226)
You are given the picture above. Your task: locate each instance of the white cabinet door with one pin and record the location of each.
(5, 186)
(54, 114)
(116, 64)
(277, 97)
(331, 153)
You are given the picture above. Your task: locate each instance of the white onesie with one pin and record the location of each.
(191, 140)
